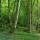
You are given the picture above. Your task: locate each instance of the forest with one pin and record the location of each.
(20, 16)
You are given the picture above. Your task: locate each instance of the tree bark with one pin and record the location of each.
(17, 12)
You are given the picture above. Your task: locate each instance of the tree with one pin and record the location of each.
(29, 15)
(0, 8)
(17, 14)
(17, 11)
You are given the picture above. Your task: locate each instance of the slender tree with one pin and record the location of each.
(29, 14)
(17, 12)
(37, 16)
(0, 8)
(29, 11)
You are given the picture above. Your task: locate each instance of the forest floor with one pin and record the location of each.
(19, 36)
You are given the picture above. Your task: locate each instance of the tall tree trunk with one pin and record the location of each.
(0, 8)
(30, 6)
(29, 14)
(29, 11)
(17, 15)
(17, 12)
(37, 17)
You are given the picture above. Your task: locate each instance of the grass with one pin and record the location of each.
(18, 36)
(26, 36)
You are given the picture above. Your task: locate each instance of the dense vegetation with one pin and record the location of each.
(22, 15)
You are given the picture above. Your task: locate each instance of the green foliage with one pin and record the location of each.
(8, 9)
